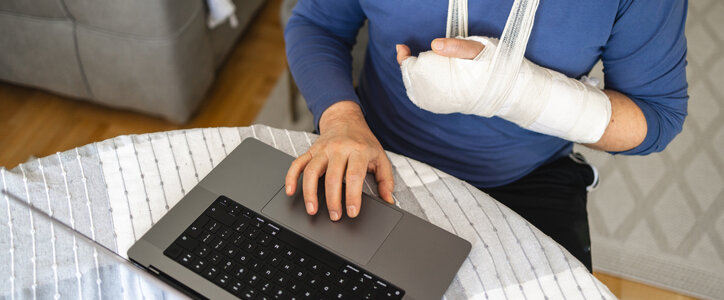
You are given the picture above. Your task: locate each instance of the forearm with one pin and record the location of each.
(626, 128)
(320, 63)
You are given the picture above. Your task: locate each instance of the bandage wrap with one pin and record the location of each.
(501, 82)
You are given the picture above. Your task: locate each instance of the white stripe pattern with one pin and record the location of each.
(54, 267)
(72, 224)
(33, 259)
(145, 175)
(84, 180)
(11, 237)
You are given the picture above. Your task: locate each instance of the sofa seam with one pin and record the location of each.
(28, 16)
(81, 67)
(165, 38)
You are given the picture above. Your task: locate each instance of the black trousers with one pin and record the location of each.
(553, 198)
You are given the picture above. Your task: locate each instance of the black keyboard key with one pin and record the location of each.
(214, 258)
(207, 237)
(340, 281)
(218, 244)
(210, 272)
(243, 258)
(235, 287)
(251, 233)
(261, 253)
(336, 294)
(258, 222)
(186, 258)
(286, 266)
(309, 294)
(225, 201)
(271, 229)
(219, 214)
(247, 246)
(222, 280)
(354, 288)
(369, 294)
(249, 294)
(326, 288)
(225, 233)
(252, 279)
(202, 250)
(281, 279)
(173, 251)
(274, 260)
(314, 282)
(237, 239)
(227, 265)
(299, 274)
(295, 288)
(255, 265)
(198, 265)
(267, 272)
(240, 224)
(279, 293)
(186, 242)
(213, 226)
(231, 251)
(276, 247)
(194, 231)
(288, 253)
(266, 288)
(264, 240)
(240, 272)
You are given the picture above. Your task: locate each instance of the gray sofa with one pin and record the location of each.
(154, 56)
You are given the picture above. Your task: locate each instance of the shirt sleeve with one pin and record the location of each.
(645, 58)
(319, 37)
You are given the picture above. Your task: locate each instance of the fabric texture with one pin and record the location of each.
(157, 57)
(489, 151)
(117, 189)
(553, 198)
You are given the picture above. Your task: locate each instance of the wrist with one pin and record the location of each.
(342, 111)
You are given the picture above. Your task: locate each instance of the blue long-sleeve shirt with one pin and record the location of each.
(641, 44)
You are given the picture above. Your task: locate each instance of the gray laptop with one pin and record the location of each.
(238, 235)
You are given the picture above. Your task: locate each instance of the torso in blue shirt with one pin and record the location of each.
(641, 43)
(483, 151)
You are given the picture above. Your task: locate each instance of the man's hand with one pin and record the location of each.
(449, 47)
(346, 149)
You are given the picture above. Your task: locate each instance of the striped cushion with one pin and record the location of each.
(117, 189)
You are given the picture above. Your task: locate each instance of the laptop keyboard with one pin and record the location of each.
(254, 258)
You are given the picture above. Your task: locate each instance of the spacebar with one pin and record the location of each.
(311, 249)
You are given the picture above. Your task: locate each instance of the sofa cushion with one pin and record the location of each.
(145, 18)
(166, 77)
(41, 53)
(36, 8)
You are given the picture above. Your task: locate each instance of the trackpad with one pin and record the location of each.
(357, 239)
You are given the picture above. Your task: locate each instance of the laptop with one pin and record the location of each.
(238, 235)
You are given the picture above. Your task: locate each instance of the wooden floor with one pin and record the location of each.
(37, 123)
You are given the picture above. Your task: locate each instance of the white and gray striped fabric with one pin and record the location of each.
(114, 191)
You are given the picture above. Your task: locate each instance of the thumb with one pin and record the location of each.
(403, 52)
(385, 180)
(457, 48)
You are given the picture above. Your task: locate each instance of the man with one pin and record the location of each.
(641, 44)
